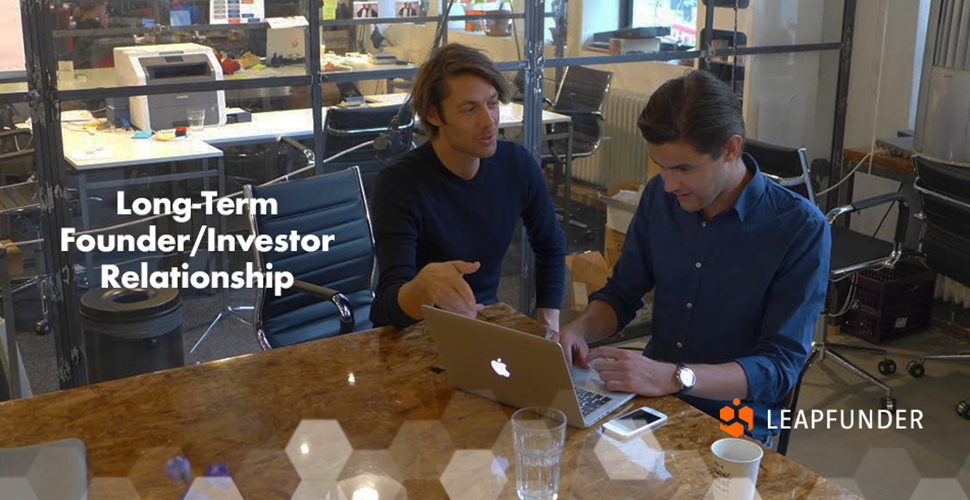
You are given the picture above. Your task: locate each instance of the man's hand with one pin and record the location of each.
(627, 371)
(573, 344)
(441, 284)
(548, 318)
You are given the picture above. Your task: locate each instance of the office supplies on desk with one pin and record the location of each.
(142, 134)
(181, 63)
(78, 115)
(287, 43)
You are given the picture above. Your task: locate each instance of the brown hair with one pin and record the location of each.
(430, 86)
(697, 108)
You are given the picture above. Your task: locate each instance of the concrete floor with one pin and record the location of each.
(890, 464)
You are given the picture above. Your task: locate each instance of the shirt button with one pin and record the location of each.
(679, 345)
(704, 224)
(689, 305)
(697, 265)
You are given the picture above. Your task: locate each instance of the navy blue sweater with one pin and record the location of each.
(424, 213)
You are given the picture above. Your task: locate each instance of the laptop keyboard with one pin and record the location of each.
(590, 401)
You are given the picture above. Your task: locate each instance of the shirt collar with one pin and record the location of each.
(753, 192)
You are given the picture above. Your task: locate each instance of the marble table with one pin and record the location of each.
(356, 416)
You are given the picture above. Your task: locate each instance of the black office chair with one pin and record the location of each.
(332, 291)
(16, 155)
(345, 128)
(786, 166)
(851, 253)
(791, 403)
(944, 191)
(581, 96)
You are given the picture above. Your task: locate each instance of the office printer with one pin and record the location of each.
(174, 63)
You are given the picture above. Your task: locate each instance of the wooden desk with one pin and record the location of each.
(395, 409)
(885, 161)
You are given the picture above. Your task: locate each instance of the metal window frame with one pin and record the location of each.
(44, 98)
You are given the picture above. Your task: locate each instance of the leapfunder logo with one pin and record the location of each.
(810, 419)
(744, 414)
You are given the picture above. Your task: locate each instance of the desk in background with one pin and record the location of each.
(87, 153)
(885, 165)
(369, 407)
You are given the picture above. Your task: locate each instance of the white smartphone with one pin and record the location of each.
(634, 423)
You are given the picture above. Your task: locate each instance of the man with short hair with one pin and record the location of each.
(93, 16)
(444, 213)
(739, 266)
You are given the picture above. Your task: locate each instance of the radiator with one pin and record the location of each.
(622, 154)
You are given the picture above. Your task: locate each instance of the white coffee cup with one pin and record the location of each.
(736, 463)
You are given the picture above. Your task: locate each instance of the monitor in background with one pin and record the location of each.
(180, 17)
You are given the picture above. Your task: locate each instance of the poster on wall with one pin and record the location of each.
(406, 9)
(12, 52)
(365, 9)
(236, 11)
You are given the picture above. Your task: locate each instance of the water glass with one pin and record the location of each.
(538, 434)
(196, 118)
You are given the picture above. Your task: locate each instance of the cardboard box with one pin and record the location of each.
(15, 260)
(621, 203)
(612, 246)
(589, 273)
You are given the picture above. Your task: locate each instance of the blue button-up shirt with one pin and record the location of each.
(747, 286)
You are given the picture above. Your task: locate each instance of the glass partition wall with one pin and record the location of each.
(87, 87)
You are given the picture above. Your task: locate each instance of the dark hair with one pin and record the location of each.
(88, 6)
(430, 87)
(697, 108)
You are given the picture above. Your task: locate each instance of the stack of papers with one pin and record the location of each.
(78, 115)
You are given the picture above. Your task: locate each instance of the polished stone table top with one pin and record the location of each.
(357, 415)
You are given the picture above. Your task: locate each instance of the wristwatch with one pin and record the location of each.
(685, 376)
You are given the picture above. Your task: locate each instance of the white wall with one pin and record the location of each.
(880, 106)
(12, 50)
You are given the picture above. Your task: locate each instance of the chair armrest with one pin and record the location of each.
(333, 296)
(300, 147)
(902, 221)
(16, 154)
(19, 131)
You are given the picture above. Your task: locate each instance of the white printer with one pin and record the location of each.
(173, 63)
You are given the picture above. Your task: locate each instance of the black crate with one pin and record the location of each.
(891, 302)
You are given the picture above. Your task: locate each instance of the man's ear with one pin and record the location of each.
(732, 148)
(433, 117)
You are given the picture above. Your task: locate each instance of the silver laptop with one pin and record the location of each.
(517, 368)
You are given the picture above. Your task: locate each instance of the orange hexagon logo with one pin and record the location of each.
(734, 427)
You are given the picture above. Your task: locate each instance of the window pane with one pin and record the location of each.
(102, 165)
(214, 42)
(679, 15)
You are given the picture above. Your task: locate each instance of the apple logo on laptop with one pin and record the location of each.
(500, 368)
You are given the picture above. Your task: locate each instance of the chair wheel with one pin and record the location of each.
(963, 409)
(887, 367)
(916, 369)
(42, 327)
(887, 404)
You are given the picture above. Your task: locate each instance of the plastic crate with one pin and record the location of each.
(891, 302)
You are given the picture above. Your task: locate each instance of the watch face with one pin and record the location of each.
(686, 376)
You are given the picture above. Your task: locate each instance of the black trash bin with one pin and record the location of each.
(131, 331)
